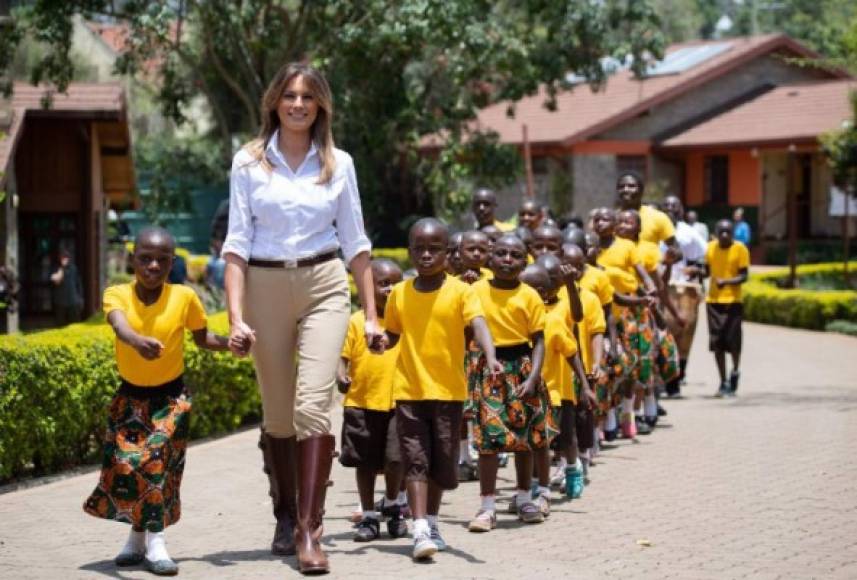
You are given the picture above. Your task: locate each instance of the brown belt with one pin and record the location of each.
(292, 264)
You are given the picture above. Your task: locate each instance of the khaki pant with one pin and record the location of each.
(300, 317)
(686, 300)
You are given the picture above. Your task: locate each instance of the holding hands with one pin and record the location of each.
(241, 338)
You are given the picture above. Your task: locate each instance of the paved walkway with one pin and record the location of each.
(762, 486)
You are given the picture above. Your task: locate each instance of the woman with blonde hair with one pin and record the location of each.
(294, 205)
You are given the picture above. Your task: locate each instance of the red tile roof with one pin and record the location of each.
(786, 114)
(581, 113)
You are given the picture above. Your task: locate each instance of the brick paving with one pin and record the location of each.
(762, 486)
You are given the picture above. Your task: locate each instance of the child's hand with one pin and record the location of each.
(379, 345)
(526, 389)
(719, 282)
(376, 338)
(148, 347)
(597, 373)
(343, 382)
(241, 339)
(567, 273)
(494, 367)
(470, 276)
(588, 397)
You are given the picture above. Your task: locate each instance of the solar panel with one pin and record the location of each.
(685, 58)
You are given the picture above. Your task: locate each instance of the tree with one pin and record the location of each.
(400, 70)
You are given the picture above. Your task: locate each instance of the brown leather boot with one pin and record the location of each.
(280, 457)
(315, 456)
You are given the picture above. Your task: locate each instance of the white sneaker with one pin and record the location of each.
(437, 538)
(558, 476)
(424, 548)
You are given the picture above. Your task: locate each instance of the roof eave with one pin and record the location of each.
(775, 42)
(744, 144)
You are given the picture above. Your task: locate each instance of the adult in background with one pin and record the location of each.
(742, 228)
(685, 291)
(693, 220)
(655, 226)
(484, 208)
(68, 290)
(294, 204)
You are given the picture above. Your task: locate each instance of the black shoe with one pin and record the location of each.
(733, 381)
(642, 427)
(397, 526)
(367, 530)
(661, 411)
(610, 434)
(651, 421)
(723, 390)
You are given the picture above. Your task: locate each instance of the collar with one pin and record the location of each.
(275, 154)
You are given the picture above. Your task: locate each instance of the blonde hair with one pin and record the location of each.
(321, 131)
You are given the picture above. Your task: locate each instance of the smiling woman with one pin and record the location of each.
(294, 205)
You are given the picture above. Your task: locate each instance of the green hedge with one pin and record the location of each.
(765, 301)
(55, 387)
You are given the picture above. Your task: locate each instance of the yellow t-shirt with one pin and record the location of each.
(650, 255)
(593, 323)
(619, 262)
(513, 315)
(177, 309)
(725, 264)
(598, 282)
(655, 225)
(431, 329)
(371, 375)
(504, 226)
(559, 346)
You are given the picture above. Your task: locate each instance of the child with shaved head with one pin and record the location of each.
(149, 420)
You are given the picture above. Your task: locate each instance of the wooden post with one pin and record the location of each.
(791, 194)
(528, 164)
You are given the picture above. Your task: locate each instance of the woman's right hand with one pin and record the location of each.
(241, 338)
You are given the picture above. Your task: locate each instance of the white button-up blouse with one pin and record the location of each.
(286, 215)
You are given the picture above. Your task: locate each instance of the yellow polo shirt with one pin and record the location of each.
(371, 375)
(725, 264)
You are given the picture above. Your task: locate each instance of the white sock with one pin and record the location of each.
(522, 496)
(402, 498)
(563, 463)
(489, 503)
(432, 520)
(463, 451)
(359, 508)
(610, 421)
(651, 405)
(389, 502)
(546, 491)
(156, 547)
(578, 465)
(421, 526)
(639, 412)
(370, 515)
(136, 543)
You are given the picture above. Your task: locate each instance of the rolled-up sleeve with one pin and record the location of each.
(239, 236)
(349, 216)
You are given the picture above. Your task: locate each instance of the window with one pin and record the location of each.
(635, 163)
(717, 179)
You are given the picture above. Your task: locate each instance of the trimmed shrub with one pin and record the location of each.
(766, 301)
(842, 326)
(55, 387)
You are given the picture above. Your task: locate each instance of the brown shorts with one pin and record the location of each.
(428, 439)
(369, 438)
(724, 326)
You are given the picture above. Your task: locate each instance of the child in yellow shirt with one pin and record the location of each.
(428, 316)
(149, 418)
(369, 440)
(622, 263)
(727, 262)
(512, 413)
(562, 356)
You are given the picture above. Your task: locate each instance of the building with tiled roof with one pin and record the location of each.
(65, 160)
(742, 101)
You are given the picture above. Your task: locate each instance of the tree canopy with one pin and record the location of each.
(400, 70)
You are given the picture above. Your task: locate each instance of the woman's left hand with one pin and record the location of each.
(375, 337)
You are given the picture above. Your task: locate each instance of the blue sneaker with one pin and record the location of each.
(573, 482)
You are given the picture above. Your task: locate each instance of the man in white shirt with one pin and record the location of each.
(693, 220)
(685, 291)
